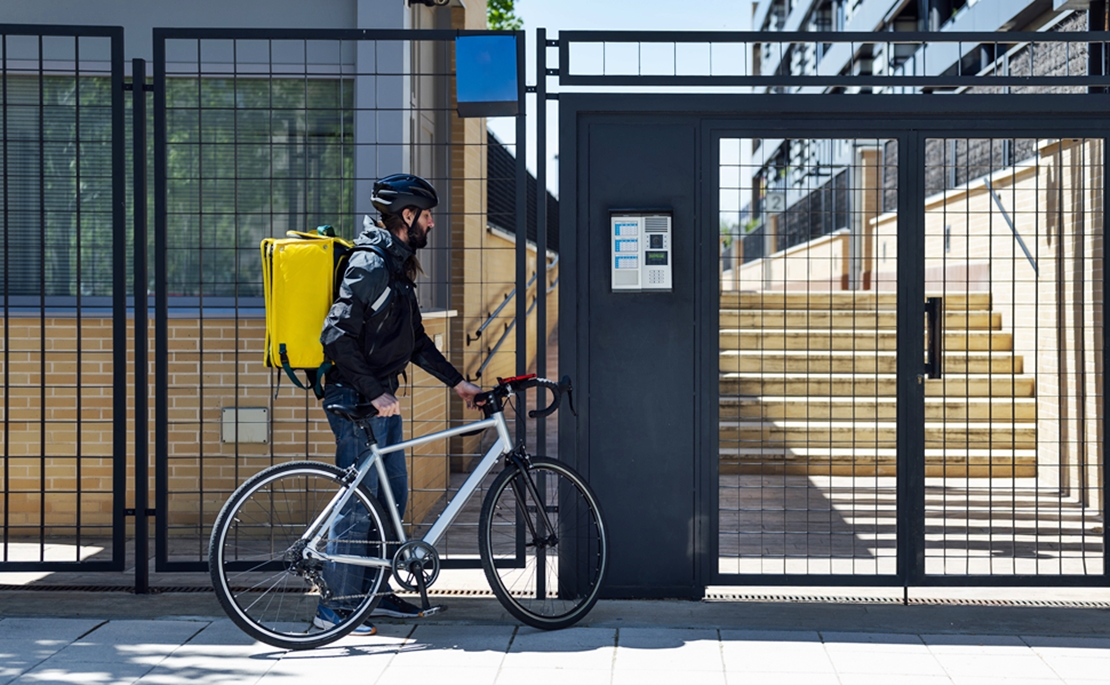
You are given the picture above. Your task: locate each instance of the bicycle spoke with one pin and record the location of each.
(263, 578)
(543, 544)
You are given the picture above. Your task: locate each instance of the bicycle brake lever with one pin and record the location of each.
(566, 384)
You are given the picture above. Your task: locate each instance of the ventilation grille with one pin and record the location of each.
(940, 601)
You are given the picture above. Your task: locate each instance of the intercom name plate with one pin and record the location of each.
(641, 251)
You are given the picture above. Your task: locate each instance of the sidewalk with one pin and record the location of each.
(178, 638)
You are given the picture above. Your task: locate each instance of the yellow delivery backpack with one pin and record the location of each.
(300, 276)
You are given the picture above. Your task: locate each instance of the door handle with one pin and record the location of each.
(934, 317)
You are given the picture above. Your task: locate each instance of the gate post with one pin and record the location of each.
(142, 453)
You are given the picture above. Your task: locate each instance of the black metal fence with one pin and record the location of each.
(66, 393)
(259, 132)
(821, 478)
(262, 132)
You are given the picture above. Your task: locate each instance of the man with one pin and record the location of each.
(372, 332)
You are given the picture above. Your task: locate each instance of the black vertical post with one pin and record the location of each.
(142, 453)
(1096, 50)
(161, 323)
(541, 229)
(119, 305)
(42, 300)
(521, 235)
(1101, 287)
(910, 382)
(7, 290)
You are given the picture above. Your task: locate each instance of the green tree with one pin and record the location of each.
(500, 16)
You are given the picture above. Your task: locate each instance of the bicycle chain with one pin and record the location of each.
(388, 544)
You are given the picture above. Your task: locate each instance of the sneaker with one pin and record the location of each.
(327, 617)
(395, 607)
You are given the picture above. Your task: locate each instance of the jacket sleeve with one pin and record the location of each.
(426, 356)
(363, 283)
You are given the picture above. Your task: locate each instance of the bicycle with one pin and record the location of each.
(541, 536)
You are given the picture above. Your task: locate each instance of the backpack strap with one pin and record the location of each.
(314, 378)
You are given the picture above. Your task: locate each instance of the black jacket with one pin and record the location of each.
(370, 348)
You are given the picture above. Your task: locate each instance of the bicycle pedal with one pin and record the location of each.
(434, 609)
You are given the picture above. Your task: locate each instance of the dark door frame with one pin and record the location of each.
(910, 119)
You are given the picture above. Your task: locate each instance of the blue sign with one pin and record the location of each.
(486, 79)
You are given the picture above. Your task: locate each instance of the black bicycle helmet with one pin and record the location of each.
(394, 193)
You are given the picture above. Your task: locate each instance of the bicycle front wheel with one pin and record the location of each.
(543, 544)
(261, 577)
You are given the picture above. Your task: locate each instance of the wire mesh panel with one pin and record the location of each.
(807, 356)
(1014, 441)
(887, 62)
(267, 132)
(63, 261)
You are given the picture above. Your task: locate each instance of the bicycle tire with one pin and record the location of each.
(269, 596)
(547, 583)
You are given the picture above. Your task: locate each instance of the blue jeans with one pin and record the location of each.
(347, 582)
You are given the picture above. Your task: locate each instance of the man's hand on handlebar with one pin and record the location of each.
(468, 392)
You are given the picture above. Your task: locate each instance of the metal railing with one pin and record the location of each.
(512, 324)
(701, 59)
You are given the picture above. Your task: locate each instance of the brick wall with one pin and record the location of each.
(211, 365)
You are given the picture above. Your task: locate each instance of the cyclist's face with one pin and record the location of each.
(418, 230)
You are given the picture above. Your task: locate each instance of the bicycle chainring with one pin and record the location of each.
(415, 559)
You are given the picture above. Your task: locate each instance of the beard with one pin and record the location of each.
(417, 237)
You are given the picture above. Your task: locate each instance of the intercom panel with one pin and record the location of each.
(641, 251)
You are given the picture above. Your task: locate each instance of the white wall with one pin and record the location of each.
(139, 17)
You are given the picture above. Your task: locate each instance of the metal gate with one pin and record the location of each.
(260, 132)
(900, 363)
(65, 359)
(907, 329)
(252, 133)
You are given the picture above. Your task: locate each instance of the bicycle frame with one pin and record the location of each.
(324, 521)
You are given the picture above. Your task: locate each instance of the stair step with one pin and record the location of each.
(866, 319)
(844, 300)
(974, 463)
(823, 361)
(875, 408)
(872, 385)
(853, 339)
(957, 434)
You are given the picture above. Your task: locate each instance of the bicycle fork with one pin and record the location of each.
(538, 528)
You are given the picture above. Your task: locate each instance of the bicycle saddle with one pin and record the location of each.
(352, 412)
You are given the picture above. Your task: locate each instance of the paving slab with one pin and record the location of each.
(50, 623)
(581, 649)
(83, 673)
(509, 675)
(782, 652)
(17, 656)
(748, 678)
(659, 649)
(448, 645)
(990, 664)
(178, 640)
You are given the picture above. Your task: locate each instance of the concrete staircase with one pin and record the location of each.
(808, 387)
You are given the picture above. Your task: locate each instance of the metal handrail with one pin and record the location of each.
(508, 299)
(512, 324)
(1013, 229)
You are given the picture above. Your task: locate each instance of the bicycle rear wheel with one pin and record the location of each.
(259, 572)
(546, 570)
